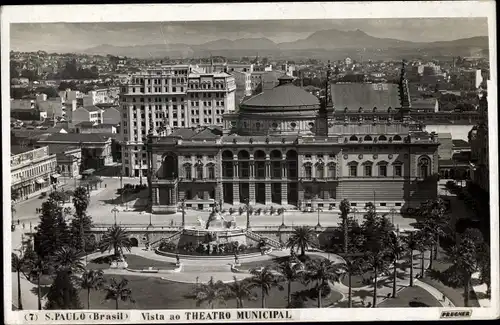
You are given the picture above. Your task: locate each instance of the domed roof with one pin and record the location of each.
(284, 97)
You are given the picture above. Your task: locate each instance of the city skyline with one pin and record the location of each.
(53, 36)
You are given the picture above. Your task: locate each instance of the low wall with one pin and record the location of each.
(229, 258)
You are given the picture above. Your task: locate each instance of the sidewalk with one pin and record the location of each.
(480, 291)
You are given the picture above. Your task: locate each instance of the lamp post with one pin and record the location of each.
(392, 211)
(283, 218)
(319, 209)
(115, 211)
(183, 207)
(247, 203)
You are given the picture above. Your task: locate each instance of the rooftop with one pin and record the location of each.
(460, 143)
(92, 108)
(284, 97)
(76, 138)
(355, 95)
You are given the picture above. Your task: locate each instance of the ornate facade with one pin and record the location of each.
(287, 147)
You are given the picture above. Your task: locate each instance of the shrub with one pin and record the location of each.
(241, 210)
(258, 211)
(243, 247)
(231, 211)
(272, 210)
(250, 210)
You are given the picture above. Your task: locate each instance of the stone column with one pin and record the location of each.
(235, 170)
(301, 194)
(252, 170)
(218, 192)
(251, 191)
(268, 194)
(284, 193)
(284, 173)
(268, 169)
(236, 193)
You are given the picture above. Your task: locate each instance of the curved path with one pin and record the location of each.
(221, 270)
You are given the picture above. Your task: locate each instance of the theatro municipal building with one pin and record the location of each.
(287, 147)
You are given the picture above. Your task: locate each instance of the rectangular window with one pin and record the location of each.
(211, 172)
(382, 171)
(368, 170)
(398, 171)
(353, 170)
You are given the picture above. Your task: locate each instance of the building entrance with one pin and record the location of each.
(227, 189)
(260, 193)
(244, 192)
(276, 193)
(293, 197)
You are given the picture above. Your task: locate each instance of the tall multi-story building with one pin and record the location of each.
(173, 96)
(286, 147)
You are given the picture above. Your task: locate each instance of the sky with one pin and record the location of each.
(69, 37)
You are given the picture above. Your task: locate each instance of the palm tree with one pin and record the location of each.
(18, 265)
(290, 272)
(422, 243)
(91, 280)
(395, 248)
(115, 238)
(68, 258)
(345, 208)
(212, 293)
(118, 291)
(36, 267)
(411, 243)
(240, 290)
(265, 279)
(436, 222)
(375, 261)
(323, 272)
(352, 267)
(464, 264)
(302, 237)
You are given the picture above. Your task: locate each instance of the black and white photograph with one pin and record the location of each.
(249, 169)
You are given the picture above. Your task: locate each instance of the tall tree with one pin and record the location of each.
(395, 248)
(240, 290)
(18, 266)
(116, 239)
(81, 223)
(464, 264)
(92, 280)
(411, 243)
(323, 272)
(345, 208)
(37, 266)
(422, 244)
(118, 291)
(435, 222)
(377, 262)
(353, 266)
(52, 232)
(290, 272)
(302, 237)
(264, 279)
(212, 293)
(62, 293)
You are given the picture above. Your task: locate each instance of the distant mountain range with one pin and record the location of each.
(327, 43)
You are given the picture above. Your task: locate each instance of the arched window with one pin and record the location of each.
(260, 164)
(187, 171)
(320, 170)
(396, 138)
(353, 138)
(382, 138)
(276, 164)
(368, 138)
(170, 167)
(367, 168)
(307, 171)
(243, 164)
(424, 164)
(292, 161)
(227, 164)
(353, 168)
(332, 170)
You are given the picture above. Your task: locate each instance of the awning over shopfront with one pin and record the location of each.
(40, 181)
(56, 175)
